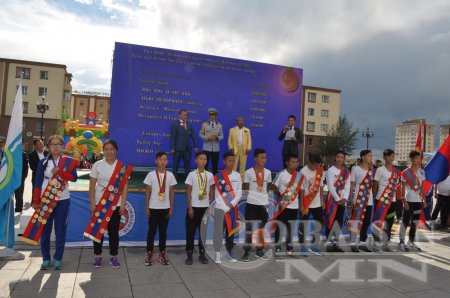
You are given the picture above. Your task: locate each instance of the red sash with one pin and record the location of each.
(411, 179)
(307, 199)
(49, 200)
(226, 191)
(361, 202)
(385, 200)
(98, 224)
(331, 205)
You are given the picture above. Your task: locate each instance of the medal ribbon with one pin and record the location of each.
(259, 177)
(162, 187)
(361, 201)
(385, 200)
(201, 183)
(226, 191)
(307, 199)
(331, 205)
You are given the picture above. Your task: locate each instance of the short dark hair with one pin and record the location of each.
(292, 116)
(340, 152)
(290, 156)
(314, 158)
(181, 111)
(112, 143)
(36, 141)
(160, 154)
(258, 151)
(378, 160)
(364, 153)
(413, 154)
(228, 154)
(200, 153)
(388, 152)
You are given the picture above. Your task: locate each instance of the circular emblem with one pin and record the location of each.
(116, 190)
(96, 214)
(113, 208)
(370, 172)
(50, 210)
(99, 220)
(57, 185)
(107, 219)
(45, 208)
(92, 224)
(54, 191)
(227, 188)
(33, 220)
(103, 210)
(47, 193)
(103, 202)
(127, 220)
(361, 187)
(223, 181)
(111, 188)
(44, 221)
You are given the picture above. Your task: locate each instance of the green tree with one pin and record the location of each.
(341, 136)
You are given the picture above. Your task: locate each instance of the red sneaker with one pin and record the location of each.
(148, 260)
(163, 258)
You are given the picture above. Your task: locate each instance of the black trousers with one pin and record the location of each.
(442, 206)
(214, 158)
(192, 225)
(336, 228)
(410, 216)
(186, 157)
(365, 226)
(398, 209)
(113, 234)
(18, 195)
(159, 219)
(385, 234)
(219, 228)
(255, 214)
(286, 219)
(317, 214)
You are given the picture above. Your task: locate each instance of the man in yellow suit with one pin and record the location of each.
(240, 142)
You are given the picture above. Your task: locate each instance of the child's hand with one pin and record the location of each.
(93, 207)
(191, 213)
(147, 212)
(170, 212)
(122, 209)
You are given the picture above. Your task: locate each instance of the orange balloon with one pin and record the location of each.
(84, 149)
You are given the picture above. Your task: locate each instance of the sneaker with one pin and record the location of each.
(97, 262)
(363, 247)
(45, 265)
(403, 247)
(114, 262)
(246, 256)
(189, 260)
(230, 256)
(315, 250)
(57, 265)
(260, 254)
(386, 248)
(413, 246)
(278, 253)
(354, 248)
(202, 258)
(330, 247)
(163, 258)
(291, 253)
(337, 248)
(304, 251)
(149, 259)
(218, 259)
(377, 247)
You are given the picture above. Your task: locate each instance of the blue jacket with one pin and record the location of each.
(179, 137)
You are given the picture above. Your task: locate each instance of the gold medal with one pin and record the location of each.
(161, 196)
(201, 196)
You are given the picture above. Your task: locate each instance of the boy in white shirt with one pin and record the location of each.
(311, 202)
(256, 182)
(200, 194)
(228, 192)
(413, 200)
(159, 196)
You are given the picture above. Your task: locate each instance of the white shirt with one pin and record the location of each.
(290, 133)
(240, 130)
(383, 175)
(102, 171)
(48, 175)
(151, 180)
(192, 180)
(282, 183)
(444, 187)
(256, 197)
(357, 175)
(412, 195)
(308, 182)
(333, 174)
(236, 183)
(40, 155)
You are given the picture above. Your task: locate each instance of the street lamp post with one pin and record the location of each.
(42, 108)
(368, 134)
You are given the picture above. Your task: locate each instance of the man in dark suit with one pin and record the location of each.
(292, 137)
(180, 145)
(34, 158)
(18, 193)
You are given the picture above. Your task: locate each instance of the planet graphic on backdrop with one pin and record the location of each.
(289, 80)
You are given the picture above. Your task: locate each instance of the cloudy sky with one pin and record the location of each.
(390, 58)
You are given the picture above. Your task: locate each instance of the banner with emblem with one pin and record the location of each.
(98, 224)
(362, 200)
(226, 191)
(385, 200)
(331, 205)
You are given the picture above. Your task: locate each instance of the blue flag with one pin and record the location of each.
(11, 171)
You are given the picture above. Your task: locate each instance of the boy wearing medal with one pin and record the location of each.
(159, 196)
(200, 191)
(256, 181)
(311, 202)
(413, 200)
(228, 191)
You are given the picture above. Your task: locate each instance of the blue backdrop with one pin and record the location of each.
(150, 85)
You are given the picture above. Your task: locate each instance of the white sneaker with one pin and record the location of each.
(218, 259)
(230, 257)
(413, 246)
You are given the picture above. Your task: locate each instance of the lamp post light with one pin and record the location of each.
(42, 108)
(368, 134)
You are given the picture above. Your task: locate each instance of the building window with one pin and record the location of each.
(42, 91)
(25, 107)
(324, 113)
(24, 89)
(67, 94)
(310, 126)
(26, 72)
(310, 112)
(44, 75)
(325, 98)
(323, 127)
(309, 141)
(311, 97)
(101, 105)
(38, 125)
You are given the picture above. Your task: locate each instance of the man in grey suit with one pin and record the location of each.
(180, 145)
(211, 133)
(291, 137)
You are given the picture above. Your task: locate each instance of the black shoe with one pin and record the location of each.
(354, 248)
(336, 248)
(330, 247)
(364, 248)
(246, 256)
(260, 254)
(189, 260)
(202, 258)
